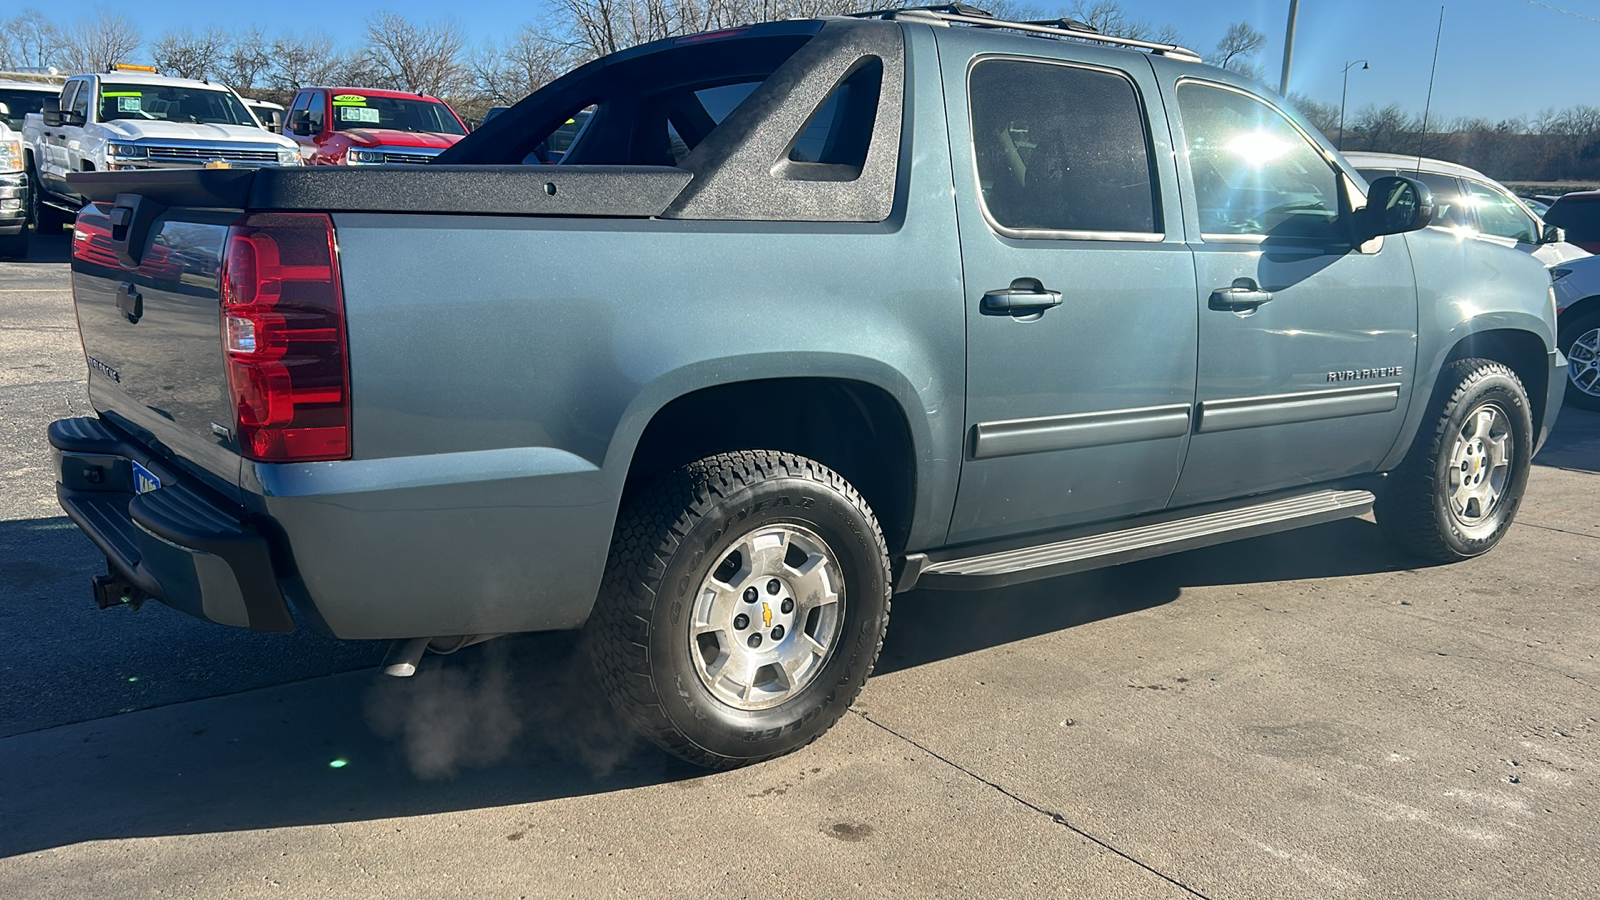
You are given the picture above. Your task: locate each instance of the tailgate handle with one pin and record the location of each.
(130, 226)
(129, 302)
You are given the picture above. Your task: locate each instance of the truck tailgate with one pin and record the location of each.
(152, 335)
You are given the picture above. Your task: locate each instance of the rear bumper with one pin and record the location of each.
(181, 544)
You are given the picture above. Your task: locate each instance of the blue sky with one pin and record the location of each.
(1499, 59)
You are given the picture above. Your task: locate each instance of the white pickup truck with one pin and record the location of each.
(138, 120)
(17, 100)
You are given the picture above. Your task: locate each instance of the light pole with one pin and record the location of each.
(1345, 94)
(1288, 47)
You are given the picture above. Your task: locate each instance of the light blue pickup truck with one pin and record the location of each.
(810, 313)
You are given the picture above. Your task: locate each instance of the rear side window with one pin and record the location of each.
(1500, 215)
(1254, 172)
(1061, 148)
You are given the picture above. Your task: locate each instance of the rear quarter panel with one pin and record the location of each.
(503, 370)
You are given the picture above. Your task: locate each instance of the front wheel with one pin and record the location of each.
(744, 604)
(1458, 490)
(1580, 341)
(46, 219)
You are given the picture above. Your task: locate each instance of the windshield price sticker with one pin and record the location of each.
(363, 114)
(130, 104)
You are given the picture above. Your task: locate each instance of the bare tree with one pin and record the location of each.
(1324, 116)
(1237, 50)
(411, 56)
(530, 59)
(97, 43)
(187, 54)
(244, 60)
(300, 60)
(29, 40)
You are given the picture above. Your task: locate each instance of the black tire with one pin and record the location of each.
(46, 219)
(1418, 507)
(1583, 361)
(670, 540)
(14, 246)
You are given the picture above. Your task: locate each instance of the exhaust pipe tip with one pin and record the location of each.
(406, 653)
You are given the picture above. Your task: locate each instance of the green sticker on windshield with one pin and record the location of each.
(349, 100)
(122, 94)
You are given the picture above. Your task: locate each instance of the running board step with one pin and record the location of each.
(1142, 542)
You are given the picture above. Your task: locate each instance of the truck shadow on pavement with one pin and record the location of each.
(48, 248)
(1575, 443)
(508, 722)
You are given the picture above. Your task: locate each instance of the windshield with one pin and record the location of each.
(170, 103)
(351, 111)
(21, 103)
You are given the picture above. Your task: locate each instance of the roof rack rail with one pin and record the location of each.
(962, 14)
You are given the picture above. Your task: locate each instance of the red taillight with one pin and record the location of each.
(283, 333)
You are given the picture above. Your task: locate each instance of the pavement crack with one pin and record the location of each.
(1054, 816)
(1592, 537)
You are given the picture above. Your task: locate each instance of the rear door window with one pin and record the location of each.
(1061, 149)
(1501, 215)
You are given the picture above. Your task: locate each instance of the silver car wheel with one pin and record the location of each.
(1583, 362)
(1480, 466)
(767, 618)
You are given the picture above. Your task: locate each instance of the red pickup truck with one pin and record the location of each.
(347, 126)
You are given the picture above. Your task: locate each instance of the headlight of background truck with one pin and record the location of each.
(358, 157)
(288, 156)
(10, 156)
(117, 150)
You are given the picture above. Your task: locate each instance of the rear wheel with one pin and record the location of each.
(1580, 341)
(743, 607)
(1458, 490)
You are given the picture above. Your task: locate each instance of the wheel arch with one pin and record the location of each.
(1524, 352)
(863, 429)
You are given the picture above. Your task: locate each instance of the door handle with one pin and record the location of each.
(1025, 295)
(1244, 295)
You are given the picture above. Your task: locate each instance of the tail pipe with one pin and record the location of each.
(404, 655)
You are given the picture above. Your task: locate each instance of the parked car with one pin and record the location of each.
(270, 115)
(346, 126)
(17, 100)
(130, 119)
(1472, 201)
(489, 114)
(926, 302)
(1579, 283)
(1579, 214)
